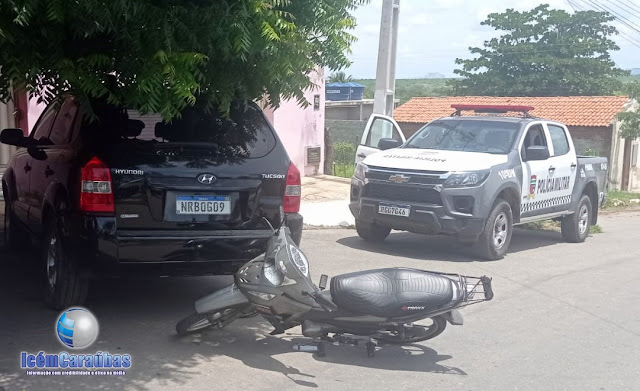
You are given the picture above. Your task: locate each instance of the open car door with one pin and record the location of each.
(378, 127)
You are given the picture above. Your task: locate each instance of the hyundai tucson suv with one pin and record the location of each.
(119, 193)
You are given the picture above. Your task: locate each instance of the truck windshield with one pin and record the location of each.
(472, 136)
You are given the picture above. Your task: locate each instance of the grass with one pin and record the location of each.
(621, 199)
(343, 170)
(554, 226)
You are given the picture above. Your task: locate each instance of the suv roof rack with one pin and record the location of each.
(491, 109)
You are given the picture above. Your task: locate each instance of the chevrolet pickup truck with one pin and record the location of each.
(474, 177)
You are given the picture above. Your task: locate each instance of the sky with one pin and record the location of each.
(433, 33)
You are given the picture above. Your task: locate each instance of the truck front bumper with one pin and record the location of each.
(435, 217)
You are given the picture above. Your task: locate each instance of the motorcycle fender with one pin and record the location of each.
(226, 297)
(454, 317)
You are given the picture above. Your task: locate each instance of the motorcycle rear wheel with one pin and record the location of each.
(414, 333)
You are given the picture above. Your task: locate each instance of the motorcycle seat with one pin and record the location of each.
(393, 292)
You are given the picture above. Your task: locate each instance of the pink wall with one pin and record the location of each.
(299, 128)
(34, 111)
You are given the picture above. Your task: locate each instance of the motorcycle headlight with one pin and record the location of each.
(463, 179)
(300, 260)
(361, 171)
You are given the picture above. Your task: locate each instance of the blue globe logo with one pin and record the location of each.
(77, 328)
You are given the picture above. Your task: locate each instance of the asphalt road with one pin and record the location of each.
(565, 317)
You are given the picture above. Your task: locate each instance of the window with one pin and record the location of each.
(43, 126)
(558, 140)
(466, 135)
(61, 130)
(381, 128)
(535, 137)
(243, 133)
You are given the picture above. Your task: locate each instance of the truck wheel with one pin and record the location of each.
(496, 236)
(575, 228)
(14, 237)
(63, 284)
(372, 232)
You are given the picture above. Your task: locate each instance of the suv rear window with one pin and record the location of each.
(243, 133)
(463, 135)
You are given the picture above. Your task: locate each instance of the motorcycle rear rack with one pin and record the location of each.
(475, 289)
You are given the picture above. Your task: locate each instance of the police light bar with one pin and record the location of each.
(491, 109)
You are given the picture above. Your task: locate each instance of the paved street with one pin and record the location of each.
(565, 317)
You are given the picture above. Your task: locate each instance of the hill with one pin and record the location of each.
(410, 88)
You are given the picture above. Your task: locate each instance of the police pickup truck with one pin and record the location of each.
(474, 177)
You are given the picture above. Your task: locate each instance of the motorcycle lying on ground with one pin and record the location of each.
(393, 305)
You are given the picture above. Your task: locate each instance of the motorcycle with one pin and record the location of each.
(392, 305)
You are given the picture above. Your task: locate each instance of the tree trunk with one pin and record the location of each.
(328, 152)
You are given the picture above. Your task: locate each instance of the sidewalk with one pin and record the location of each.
(325, 201)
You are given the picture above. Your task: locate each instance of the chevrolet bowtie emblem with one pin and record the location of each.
(399, 178)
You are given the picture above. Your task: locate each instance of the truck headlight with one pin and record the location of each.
(361, 171)
(463, 179)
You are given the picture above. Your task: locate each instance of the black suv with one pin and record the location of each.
(127, 193)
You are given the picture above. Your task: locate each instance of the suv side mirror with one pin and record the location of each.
(388, 143)
(13, 136)
(537, 152)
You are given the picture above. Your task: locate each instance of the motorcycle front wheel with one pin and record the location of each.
(197, 322)
(415, 332)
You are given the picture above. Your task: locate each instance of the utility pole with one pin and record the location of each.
(383, 99)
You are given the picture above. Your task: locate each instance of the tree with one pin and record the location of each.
(164, 55)
(630, 127)
(544, 53)
(339, 77)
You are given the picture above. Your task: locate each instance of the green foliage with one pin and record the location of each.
(630, 128)
(339, 77)
(344, 152)
(163, 55)
(344, 159)
(410, 88)
(544, 52)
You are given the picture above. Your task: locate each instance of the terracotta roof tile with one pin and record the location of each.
(570, 110)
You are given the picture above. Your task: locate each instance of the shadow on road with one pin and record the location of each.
(138, 317)
(447, 248)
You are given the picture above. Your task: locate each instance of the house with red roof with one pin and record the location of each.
(592, 121)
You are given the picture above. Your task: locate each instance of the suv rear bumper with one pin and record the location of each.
(186, 252)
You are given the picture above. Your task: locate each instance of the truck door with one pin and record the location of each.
(48, 168)
(378, 127)
(563, 164)
(536, 200)
(39, 133)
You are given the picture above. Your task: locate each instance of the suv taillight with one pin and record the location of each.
(96, 193)
(291, 199)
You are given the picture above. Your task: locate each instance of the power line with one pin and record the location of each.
(626, 7)
(620, 19)
(580, 7)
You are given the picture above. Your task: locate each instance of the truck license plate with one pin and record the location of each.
(394, 210)
(203, 205)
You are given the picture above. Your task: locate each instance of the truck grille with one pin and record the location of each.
(398, 193)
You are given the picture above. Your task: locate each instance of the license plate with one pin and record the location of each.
(203, 205)
(394, 210)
